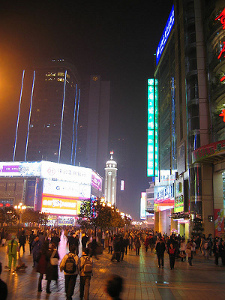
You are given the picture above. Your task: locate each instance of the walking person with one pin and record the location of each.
(216, 251)
(160, 249)
(22, 240)
(172, 255)
(137, 244)
(94, 246)
(36, 247)
(31, 239)
(189, 254)
(146, 243)
(86, 271)
(182, 250)
(122, 248)
(42, 266)
(110, 244)
(12, 250)
(116, 249)
(52, 265)
(70, 264)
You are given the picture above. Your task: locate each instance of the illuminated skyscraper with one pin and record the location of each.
(50, 125)
(110, 180)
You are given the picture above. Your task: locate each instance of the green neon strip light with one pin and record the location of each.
(152, 143)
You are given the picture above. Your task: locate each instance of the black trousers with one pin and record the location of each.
(172, 262)
(160, 260)
(70, 282)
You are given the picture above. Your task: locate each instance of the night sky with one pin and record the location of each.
(115, 39)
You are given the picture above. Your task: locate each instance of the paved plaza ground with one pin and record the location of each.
(143, 279)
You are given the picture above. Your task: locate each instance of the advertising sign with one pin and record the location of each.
(165, 36)
(23, 169)
(67, 189)
(50, 170)
(179, 196)
(219, 222)
(60, 205)
(96, 181)
(208, 151)
(143, 206)
(152, 141)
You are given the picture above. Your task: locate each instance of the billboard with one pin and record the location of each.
(60, 205)
(96, 181)
(50, 170)
(67, 189)
(179, 196)
(143, 206)
(20, 169)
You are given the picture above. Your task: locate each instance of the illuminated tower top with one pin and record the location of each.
(111, 163)
(110, 180)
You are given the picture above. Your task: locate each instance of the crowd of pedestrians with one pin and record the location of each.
(43, 246)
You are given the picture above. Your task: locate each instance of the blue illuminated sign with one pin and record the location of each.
(165, 36)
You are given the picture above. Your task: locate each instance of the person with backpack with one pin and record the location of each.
(70, 264)
(86, 271)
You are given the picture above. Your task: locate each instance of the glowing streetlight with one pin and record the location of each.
(20, 207)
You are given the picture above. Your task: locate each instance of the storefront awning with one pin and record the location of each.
(211, 153)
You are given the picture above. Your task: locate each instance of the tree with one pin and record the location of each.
(117, 221)
(198, 227)
(30, 216)
(104, 217)
(11, 215)
(42, 218)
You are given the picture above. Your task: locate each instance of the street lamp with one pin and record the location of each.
(20, 207)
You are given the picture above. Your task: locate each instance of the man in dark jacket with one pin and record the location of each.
(31, 239)
(22, 240)
(160, 249)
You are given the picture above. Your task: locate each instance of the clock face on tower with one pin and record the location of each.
(95, 78)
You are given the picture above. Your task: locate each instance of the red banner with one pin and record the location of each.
(219, 222)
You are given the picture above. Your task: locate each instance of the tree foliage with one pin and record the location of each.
(98, 214)
(9, 216)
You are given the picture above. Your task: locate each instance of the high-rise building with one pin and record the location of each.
(98, 123)
(48, 129)
(190, 69)
(110, 180)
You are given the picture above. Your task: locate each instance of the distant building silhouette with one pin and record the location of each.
(93, 136)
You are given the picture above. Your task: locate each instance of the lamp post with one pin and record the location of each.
(20, 208)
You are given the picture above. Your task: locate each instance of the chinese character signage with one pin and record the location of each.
(165, 36)
(152, 142)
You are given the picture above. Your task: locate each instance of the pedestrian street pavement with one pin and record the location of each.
(143, 279)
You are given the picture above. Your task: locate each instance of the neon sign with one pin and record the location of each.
(165, 36)
(152, 142)
(223, 114)
(222, 78)
(222, 18)
(222, 51)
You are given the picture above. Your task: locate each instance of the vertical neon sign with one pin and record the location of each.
(221, 18)
(152, 143)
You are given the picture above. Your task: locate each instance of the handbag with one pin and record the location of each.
(53, 260)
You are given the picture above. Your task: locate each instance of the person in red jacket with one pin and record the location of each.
(172, 254)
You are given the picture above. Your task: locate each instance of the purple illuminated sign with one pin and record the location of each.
(96, 181)
(10, 169)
